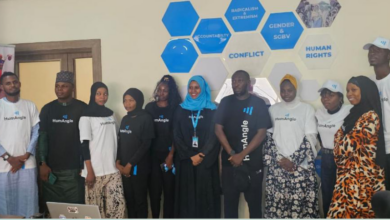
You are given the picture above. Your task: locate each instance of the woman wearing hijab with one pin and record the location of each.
(103, 184)
(291, 184)
(359, 153)
(197, 178)
(133, 161)
(162, 176)
(330, 117)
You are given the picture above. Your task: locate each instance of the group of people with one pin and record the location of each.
(172, 146)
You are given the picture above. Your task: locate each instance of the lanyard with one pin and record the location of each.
(195, 123)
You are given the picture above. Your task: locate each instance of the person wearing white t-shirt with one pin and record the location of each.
(379, 58)
(103, 182)
(330, 117)
(291, 183)
(19, 125)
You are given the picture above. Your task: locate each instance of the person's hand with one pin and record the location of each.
(119, 167)
(197, 159)
(287, 165)
(15, 163)
(24, 157)
(127, 170)
(90, 179)
(44, 172)
(169, 161)
(236, 160)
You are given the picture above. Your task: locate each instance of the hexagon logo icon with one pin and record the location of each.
(318, 13)
(247, 52)
(179, 55)
(282, 31)
(245, 15)
(211, 35)
(213, 70)
(318, 51)
(180, 18)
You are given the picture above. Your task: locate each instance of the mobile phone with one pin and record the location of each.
(52, 178)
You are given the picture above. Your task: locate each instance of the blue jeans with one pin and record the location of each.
(328, 178)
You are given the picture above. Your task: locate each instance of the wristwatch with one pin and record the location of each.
(232, 152)
(6, 156)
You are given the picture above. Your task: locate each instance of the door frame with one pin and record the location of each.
(92, 46)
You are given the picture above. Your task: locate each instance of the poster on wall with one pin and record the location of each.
(318, 13)
(7, 60)
(318, 51)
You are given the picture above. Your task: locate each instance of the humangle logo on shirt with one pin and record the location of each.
(383, 99)
(15, 117)
(194, 116)
(161, 119)
(64, 120)
(244, 140)
(286, 118)
(326, 125)
(126, 130)
(108, 123)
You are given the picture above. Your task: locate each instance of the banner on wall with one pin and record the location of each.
(7, 60)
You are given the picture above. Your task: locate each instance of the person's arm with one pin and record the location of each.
(147, 134)
(33, 141)
(184, 152)
(222, 139)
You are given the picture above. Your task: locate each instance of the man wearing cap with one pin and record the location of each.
(379, 58)
(330, 118)
(59, 145)
(18, 138)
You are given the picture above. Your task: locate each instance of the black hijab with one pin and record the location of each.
(138, 96)
(370, 100)
(93, 109)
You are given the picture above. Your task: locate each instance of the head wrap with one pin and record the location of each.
(204, 98)
(65, 76)
(370, 100)
(138, 96)
(292, 80)
(93, 109)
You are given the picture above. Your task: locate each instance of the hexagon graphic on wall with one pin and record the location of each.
(179, 55)
(180, 18)
(309, 90)
(183, 91)
(318, 51)
(282, 31)
(318, 13)
(213, 70)
(244, 15)
(247, 52)
(211, 35)
(280, 70)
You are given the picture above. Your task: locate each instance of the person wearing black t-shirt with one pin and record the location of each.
(162, 175)
(241, 123)
(133, 159)
(198, 191)
(59, 144)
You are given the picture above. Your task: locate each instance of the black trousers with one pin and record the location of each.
(231, 195)
(161, 181)
(328, 178)
(136, 189)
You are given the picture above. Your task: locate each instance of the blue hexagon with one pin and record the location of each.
(180, 18)
(179, 55)
(211, 35)
(244, 15)
(282, 31)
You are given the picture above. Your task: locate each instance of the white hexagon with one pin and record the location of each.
(183, 92)
(309, 90)
(280, 70)
(318, 51)
(213, 70)
(247, 52)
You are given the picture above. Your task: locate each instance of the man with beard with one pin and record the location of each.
(59, 144)
(379, 58)
(241, 123)
(18, 138)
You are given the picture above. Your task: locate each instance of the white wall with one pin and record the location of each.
(133, 36)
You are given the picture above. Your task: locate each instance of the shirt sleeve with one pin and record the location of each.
(34, 114)
(34, 139)
(310, 123)
(219, 117)
(146, 139)
(263, 116)
(85, 129)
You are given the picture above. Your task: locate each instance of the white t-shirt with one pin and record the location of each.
(102, 136)
(329, 124)
(384, 92)
(16, 123)
(290, 125)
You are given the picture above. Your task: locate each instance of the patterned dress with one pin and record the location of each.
(290, 195)
(358, 177)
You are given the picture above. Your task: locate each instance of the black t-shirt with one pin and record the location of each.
(241, 119)
(61, 123)
(135, 135)
(163, 127)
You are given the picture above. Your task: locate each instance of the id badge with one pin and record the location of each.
(195, 141)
